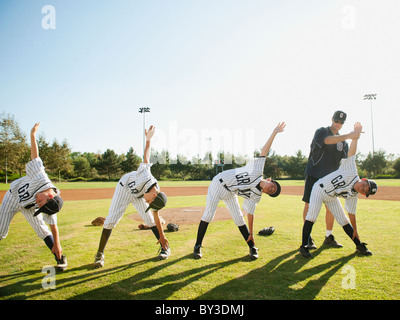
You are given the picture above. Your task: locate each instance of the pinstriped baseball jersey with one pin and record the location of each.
(36, 180)
(340, 183)
(244, 181)
(138, 182)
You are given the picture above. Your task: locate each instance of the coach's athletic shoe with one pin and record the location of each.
(61, 263)
(197, 252)
(164, 253)
(254, 253)
(362, 248)
(330, 241)
(98, 260)
(311, 245)
(305, 252)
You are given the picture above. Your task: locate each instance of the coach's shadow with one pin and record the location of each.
(282, 278)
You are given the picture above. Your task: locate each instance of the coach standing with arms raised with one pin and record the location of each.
(327, 148)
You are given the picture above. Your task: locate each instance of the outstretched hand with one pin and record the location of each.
(149, 133)
(35, 128)
(280, 127)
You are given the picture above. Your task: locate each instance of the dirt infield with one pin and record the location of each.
(384, 193)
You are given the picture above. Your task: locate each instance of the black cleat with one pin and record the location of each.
(330, 241)
(304, 251)
(311, 245)
(197, 252)
(362, 248)
(254, 253)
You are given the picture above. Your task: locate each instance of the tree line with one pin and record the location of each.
(63, 164)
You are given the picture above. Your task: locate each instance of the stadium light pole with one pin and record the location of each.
(371, 97)
(144, 110)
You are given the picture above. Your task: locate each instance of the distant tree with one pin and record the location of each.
(108, 164)
(59, 159)
(295, 166)
(375, 164)
(396, 166)
(131, 161)
(12, 143)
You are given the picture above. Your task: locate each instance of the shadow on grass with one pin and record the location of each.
(160, 288)
(284, 277)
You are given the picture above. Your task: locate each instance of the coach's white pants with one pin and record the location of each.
(120, 201)
(317, 198)
(217, 192)
(10, 207)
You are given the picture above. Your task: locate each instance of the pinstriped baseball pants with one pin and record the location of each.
(120, 201)
(317, 198)
(10, 207)
(217, 192)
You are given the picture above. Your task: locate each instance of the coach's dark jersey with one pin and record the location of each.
(324, 158)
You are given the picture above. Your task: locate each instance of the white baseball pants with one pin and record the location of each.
(120, 201)
(217, 192)
(317, 198)
(10, 206)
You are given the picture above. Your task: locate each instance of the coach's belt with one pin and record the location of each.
(224, 185)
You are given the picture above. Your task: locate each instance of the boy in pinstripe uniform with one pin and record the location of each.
(35, 196)
(344, 182)
(141, 189)
(246, 182)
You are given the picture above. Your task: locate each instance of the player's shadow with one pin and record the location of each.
(144, 286)
(285, 277)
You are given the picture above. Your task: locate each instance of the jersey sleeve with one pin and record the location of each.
(34, 167)
(349, 164)
(249, 205)
(256, 165)
(144, 167)
(350, 205)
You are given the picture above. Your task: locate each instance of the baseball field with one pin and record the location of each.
(132, 271)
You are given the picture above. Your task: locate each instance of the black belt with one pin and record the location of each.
(29, 206)
(321, 185)
(224, 185)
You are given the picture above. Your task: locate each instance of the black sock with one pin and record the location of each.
(155, 231)
(245, 233)
(49, 241)
(307, 228)
(349, 231)
(201, 232)
(105, 235)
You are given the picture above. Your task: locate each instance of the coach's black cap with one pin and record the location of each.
(278, 189)
(158, 203)
(51, 207)
(339, 116)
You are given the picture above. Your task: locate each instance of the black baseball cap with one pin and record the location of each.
(339, 116)
(158, 203)
(278, 189)
(51, 207)
(373, 188)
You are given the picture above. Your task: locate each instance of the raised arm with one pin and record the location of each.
(342, 137)
(279, 128)
(353, 144)
(149, 134)
(34, 146)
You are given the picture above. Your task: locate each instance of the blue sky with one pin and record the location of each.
(216, 74)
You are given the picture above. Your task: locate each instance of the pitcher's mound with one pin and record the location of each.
(186, 215)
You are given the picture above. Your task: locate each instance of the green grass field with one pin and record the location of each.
(224, 273)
